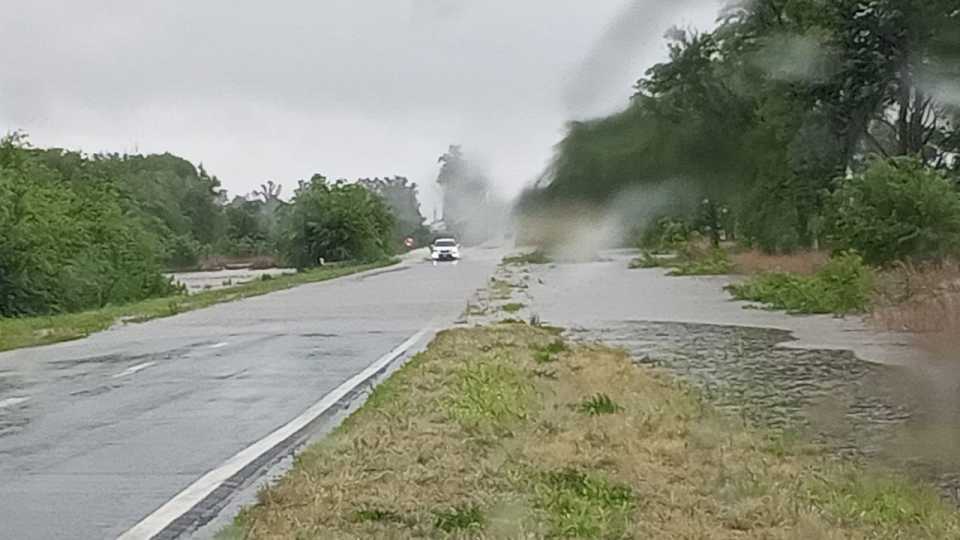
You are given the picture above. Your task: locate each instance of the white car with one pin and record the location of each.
(445, 249)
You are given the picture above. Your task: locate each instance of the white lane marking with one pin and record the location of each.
(219, 345)
(196, 492)
(12, 402)
(134, 369)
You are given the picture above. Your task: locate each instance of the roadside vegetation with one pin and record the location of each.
(538, 256)
(506, 431)
(81, 232)
(85, 239)
(18, 332)
(844, 285)
(691, 258)
(893, 229)
(818, 128)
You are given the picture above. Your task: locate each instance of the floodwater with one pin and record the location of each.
(221, 279)
(866, 394)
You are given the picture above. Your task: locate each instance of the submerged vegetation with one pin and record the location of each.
(844, 285)
(469, 438)
(689, 259)
(538, 256)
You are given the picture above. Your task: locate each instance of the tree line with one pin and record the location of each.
(769, 116)
(83, 231)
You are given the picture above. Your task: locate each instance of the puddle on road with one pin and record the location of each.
(906, 418)
(13, 405)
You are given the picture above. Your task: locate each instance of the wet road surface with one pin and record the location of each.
(97, 434)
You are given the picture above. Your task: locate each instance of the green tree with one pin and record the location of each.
(761, 114)
(400, 196)
(66, 243)
(337, 222)
(896, 210)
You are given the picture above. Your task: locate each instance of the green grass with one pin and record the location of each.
(377, 515)
(491, 395)
(715, 262)
(548, 354)
(464, 517)
(689, 261)
(649, 260)
(512, 307)
(17, 333)
(598, 405)
(501, 290)
(534, 257)
(884, 501)
(582, 505)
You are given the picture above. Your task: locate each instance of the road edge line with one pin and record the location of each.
(199, 490)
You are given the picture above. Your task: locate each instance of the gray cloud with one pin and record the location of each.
(344, 87)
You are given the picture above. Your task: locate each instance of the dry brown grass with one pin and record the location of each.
(924, 300)
(489, 434)
(756, 262)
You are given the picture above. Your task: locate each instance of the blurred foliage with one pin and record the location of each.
(400, 196)
(664, 235)
(761, 115)
(897, 210)
(711, 262)
(471, 211)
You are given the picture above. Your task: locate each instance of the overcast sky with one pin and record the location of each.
(347, 88)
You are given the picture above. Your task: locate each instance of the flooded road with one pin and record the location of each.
(97, 434)
(221, 279)
(865, 394)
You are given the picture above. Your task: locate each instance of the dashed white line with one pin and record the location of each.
(12, 402)
(219, 345)
(134, 369)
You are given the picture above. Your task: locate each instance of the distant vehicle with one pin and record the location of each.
(445, 249)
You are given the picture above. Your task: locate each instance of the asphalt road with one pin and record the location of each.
(97, 434)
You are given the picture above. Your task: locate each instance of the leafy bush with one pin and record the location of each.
(896, 210)
(844, 285)
(714, 262)
(648, 260)
(67, 246)
(690, 260)
(666, 234)
(183, 252)
(534, 257)
(336, 222)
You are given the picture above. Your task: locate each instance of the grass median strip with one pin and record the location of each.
(471, 440)
(16, 333)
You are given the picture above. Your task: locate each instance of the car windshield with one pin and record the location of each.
(445, 243)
